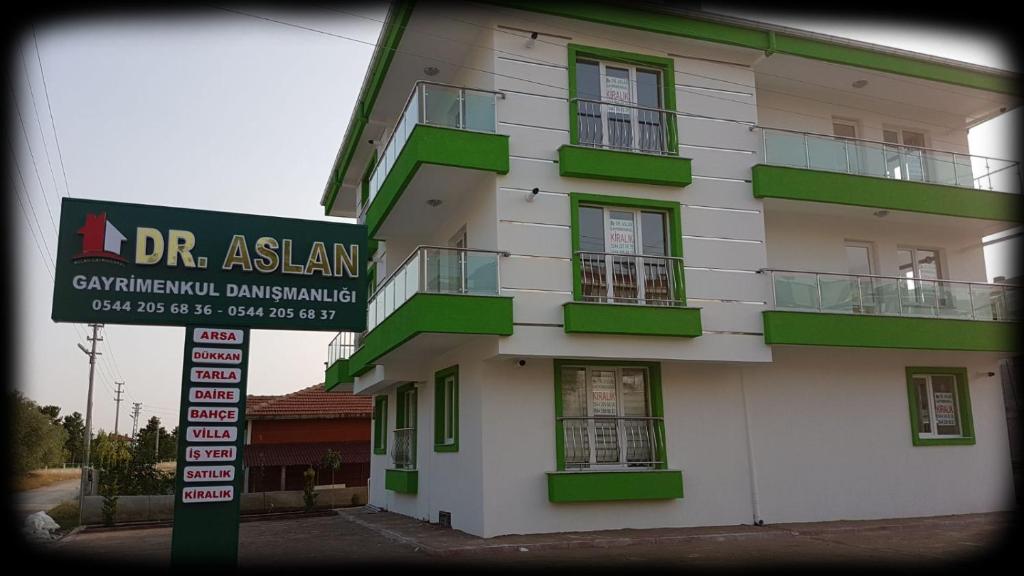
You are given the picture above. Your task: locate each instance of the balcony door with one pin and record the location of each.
(619, 106)
(623, 256)
(606, 417)
(904, 160)
(921, 288)
(860, 259)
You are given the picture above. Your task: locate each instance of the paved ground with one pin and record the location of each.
(31, 501)
(360, 535)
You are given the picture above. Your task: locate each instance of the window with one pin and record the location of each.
(627, 251)
(404, 450)
(446, 410)
(380, 425)
(940, 406)
(609, 416)
(860, 262)
(844, 128)
(618, 100)
(904, 158)
(921, 287)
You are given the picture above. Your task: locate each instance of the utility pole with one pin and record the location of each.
(92, 354)
(136, 408)
(117, 411)
(156, 450)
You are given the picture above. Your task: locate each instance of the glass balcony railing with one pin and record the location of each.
(435, 270)
(435, 105)
(893, 296)
(879, 159)
(341, 347)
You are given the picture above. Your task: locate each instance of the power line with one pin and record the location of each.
(39, 124)
(35, 166)
(53, 124)
(24, 186)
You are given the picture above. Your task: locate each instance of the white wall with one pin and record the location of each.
(722, 226)
(798, 241)
(778, 110)
(832, 439)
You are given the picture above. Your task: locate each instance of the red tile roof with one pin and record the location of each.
(310, 403)
(308, 453)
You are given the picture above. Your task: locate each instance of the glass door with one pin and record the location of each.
(921, 288)
(859, 262)
(608, 113)
(904, 159)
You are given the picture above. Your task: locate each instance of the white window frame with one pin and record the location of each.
(933, 432)
(638, 246)
(622, 464)
(851, 123)
(602, 73)
(448, 409)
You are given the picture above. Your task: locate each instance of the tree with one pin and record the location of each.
(169, 447)
(332, 460)
(36, 441)
(74, 426)
(151, 440)
(52, 412)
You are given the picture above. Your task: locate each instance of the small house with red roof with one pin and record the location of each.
(287, 434)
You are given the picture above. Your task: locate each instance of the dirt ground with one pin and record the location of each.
(367, 537)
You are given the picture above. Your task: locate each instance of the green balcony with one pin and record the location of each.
(442, 126)
(623, 166)
(436, 290)
(819, 168)
(822, 309)
(401, 481)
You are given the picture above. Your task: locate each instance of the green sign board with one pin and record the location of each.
(137, 264)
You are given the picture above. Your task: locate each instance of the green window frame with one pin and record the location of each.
(675, 232)
(657, 407)
(405, 395)
(665, 65)
(446, 410)
(380, 425)
(961, 401)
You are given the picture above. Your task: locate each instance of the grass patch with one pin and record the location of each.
(65, 514)
(43, 478)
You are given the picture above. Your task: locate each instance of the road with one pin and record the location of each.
(31, 501)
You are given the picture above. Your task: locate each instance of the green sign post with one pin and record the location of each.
(218, 274)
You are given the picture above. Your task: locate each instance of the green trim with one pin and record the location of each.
(614, 486)
(394, 26)
(675, 230)
(380, 424)
(401, 417)
(876, 192)
(963, 400)
(631, 320)
(439, 378)
(824, 329)
(621, 166)
(666, 65)
(769, 40)
(336, 374)
(442, 147)
(433, 313)
(402, 481)
(657, 405)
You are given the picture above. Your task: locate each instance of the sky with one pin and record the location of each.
(220, 111)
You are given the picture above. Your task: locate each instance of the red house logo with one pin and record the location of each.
(101, 240)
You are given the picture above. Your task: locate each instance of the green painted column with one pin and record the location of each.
(208, 481)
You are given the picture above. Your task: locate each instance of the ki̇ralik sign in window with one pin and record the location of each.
(133, 264)
(218, 274)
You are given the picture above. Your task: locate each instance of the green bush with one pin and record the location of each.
(308, 494)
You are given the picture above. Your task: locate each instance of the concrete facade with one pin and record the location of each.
(760, 433)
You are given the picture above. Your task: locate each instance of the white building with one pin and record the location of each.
(638, 267)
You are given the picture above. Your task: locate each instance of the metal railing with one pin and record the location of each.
(435, 270)
(630, 278)
(403, 449)
(341, 347)
(623, 126)
(434, 104)
(893, 296)
(611, 441)
(881, 159)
